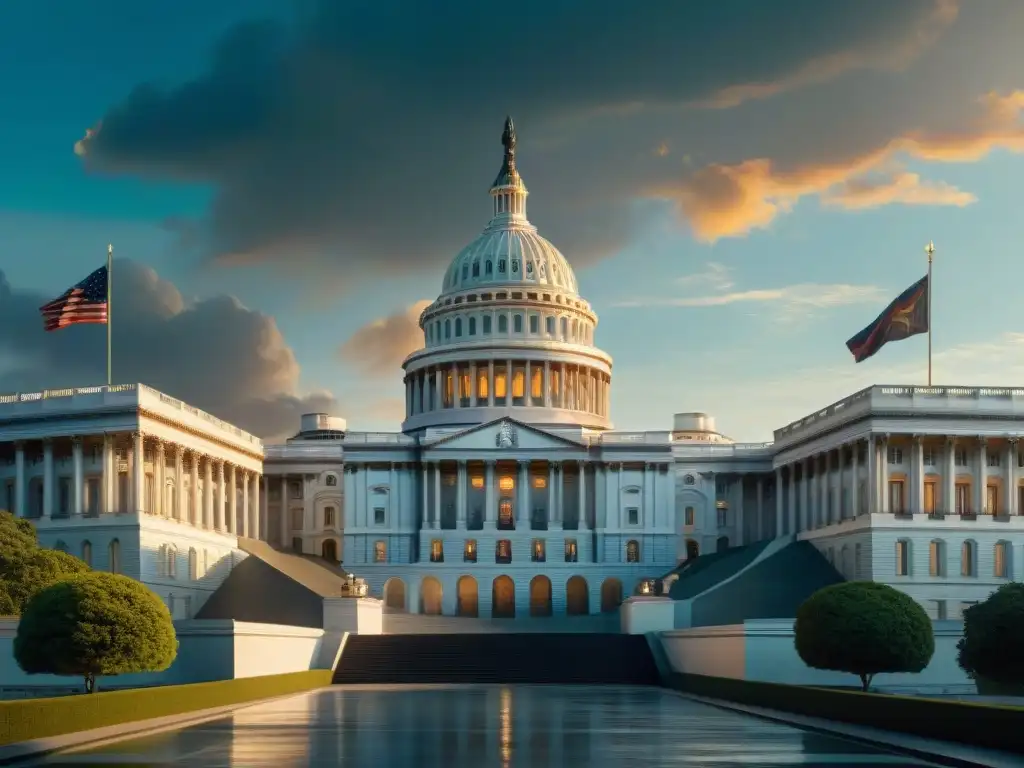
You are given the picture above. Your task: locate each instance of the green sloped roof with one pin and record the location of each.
(719, 566)
(772, 589)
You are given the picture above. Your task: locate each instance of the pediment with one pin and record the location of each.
(505, 435)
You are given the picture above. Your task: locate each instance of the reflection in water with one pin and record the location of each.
(481, 727)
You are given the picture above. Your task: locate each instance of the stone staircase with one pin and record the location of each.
(312, 573)
(507, 658)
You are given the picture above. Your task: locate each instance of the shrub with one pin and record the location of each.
(863, 628)
(95, 624)
(993, 634)
(25, 568)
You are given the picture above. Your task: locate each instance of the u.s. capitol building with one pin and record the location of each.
(507, 491)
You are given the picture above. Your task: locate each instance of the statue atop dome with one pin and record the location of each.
(508, 137)
(508, 176)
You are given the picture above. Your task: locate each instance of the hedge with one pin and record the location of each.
(27, 719)
(978, 725)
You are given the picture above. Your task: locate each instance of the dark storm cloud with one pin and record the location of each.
(214, 354)
(355, 139)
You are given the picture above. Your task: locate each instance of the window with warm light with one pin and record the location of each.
(505, 520)
(437, 551)
(555, 388)
(476, 481)
(503, 551)
(688, 516)
(570, 551)
(539, 481)
(449, 386)
(537, 383)
(482, 385)
(518, 382)
(380, 552)
(999, 566)
(903, 557)
(537, 552)
(469, 551)
(328, 516)
(499, 383)
(937, 558)
(506, 483)
(465, 386)
(632, 551)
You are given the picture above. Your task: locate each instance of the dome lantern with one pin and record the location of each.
(508, 190)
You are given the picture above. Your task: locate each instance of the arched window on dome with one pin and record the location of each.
(549, 323)
(502, 323)
(448, 329)
(476, 269)
(487, 267)
(517, 323)
(487, 321)
(472, 326)
(437, 331)
(458, 327)
(565, 328)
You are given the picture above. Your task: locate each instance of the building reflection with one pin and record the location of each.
(273, 734)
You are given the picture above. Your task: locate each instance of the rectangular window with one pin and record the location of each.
(482, 387)
(537, 552)
(534, 324)
(380, 552)
(297, 521)
(992, 458)
(503, 551)
(518, 382)
(936, 559)
(500, 382)
(991, 499)
(960, 457)
(930, 489)
(963, 498)
(469, 551)
(378, 515)
(633, 516)
(465, 386)
(295, 489)
(64, 503)
(928, 457)
(537, 384)
(570, 551)
(895, 455)
(555, 388)
(328, 517)
(688, 516)
(999, 569)
(448, 393)
(938, 610)
(902, 558)
(723, 518)
(437, 551)
(897, 498)
(476, 481)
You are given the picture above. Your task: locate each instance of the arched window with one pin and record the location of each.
(171, 559)
(517, 323)
(903, 557)
(632, 551)
(487, 323)
(458, 327)
(114, 552)
(565, 328)
(1001, 564)
(472, 326)
(502, 323)
(60, 546)
(549, 325)
(937, 558)
(193, 564)
(448, 329)
(968, 558)
(332, 481)
(487, 268)
(87, 553)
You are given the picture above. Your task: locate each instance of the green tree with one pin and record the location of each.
(95, 624)
(993, 633)
(25, 568)
(863, 628)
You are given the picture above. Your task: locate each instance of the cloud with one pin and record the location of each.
(213, 353)
(715, 284)
(722, 200)
(905, 188)
(379, 347)
(352, 140)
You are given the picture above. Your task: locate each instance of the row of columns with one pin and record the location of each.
(206, 511)
(574, 387)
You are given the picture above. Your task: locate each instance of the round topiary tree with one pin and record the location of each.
(993, 633)
(863, 628)
(25, 568)
(95, 624)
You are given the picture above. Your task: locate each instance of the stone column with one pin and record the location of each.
(553, 522)
(523, 494)
(435, 521)
(474, 385)
(980, 485)
(560, 496)
(1010, 504)
(244, 532)
(490, 502)
(159, 481)
(563, 395)
(425, 519)
(917, 497)
(949, 478)
(855, 473)
(19, 479)
(527, 385)
(806, 517)
(139, 472)
(582, 496)
(490, 383)
(232, 498)
(286, 513)
(438, 390)
(779, 510)
(208, 493)
(47, 478)
(883, 472)
(254, 508)
(456, 387)
(793, 525)
(196, 514)
(872, 486)
(262, 498)
(460, 496)
(547, 385)
(78, 480)
(179, 485)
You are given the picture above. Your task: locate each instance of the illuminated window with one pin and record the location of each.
(688, 516)
(539, 481)
(328, 516)
(380, 552)
(903, 557)
(570, 551)
(482, 385)
(505, 520)
(537, 551)
(503, 551)
(537, 383)
(469, 551)
(449, 386)
(518, 383)
(465, 386)
(1000, 571)
(937, 558)
(555, 387)
(506, 482)
(499, 383)
(632, 551)
(437, 551)
(476, 481)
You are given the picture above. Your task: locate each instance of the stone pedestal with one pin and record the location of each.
(640, 615)
(357, 615)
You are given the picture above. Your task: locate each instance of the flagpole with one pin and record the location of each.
(930, 250)
(110, 291)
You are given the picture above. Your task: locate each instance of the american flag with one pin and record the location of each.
(85, 302)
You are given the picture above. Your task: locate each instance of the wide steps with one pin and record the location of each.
(524, 658)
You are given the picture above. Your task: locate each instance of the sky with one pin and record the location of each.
(741, 186)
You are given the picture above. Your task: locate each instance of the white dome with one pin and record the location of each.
(509, 251)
